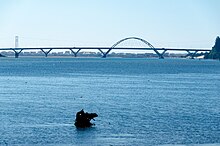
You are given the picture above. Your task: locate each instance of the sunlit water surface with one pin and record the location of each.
(139, 101)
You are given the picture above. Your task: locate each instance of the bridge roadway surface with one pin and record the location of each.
(46, 50)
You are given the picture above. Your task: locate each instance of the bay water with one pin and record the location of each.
(139, 101)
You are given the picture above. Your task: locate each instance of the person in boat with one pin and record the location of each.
(83, 119)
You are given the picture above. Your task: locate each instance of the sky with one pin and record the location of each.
(163, 23)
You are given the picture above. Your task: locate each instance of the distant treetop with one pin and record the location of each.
(217, 43)
(215, 52)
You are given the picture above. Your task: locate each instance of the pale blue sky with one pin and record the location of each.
(164, 23)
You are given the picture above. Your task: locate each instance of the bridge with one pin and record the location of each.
(75, 50)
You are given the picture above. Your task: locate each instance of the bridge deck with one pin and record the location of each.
(105, 48)
(47, 50)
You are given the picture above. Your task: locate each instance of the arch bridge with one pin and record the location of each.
(75, 50)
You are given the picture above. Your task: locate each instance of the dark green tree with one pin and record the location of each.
(215, 52)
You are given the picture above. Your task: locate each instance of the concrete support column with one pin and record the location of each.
(17, 53)
(75, 53)
(46, 52)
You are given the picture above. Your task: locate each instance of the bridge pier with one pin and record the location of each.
(75, 53)
(160, 55)
(46, 52)
(164, 51)
(192, 55)
(17, 53)
(103, 53)
(106, 53)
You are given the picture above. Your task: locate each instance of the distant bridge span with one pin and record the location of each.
(140, 39)
(46, 50)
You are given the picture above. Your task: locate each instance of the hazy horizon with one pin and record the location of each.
(170, 23)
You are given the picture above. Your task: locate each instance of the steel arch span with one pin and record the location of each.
(134, 38)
